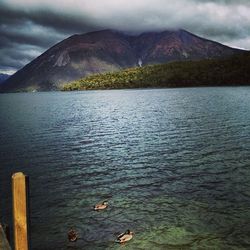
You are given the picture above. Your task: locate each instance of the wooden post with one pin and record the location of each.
(20, 210)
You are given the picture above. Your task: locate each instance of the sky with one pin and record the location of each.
(30, 27)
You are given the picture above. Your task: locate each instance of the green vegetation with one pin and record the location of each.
(211, 72)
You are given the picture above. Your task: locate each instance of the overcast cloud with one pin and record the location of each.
(30, 27)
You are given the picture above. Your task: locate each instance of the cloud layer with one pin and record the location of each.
(28, 27)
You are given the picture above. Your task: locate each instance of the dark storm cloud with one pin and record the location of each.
(34, 26)
(60, 22)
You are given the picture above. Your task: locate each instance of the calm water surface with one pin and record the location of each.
(173, 163)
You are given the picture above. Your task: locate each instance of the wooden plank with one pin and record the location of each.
(4, 244)
(20, 210)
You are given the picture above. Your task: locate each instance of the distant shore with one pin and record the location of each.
(232, 71)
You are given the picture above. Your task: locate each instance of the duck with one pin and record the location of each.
(124, 237)
(101, 206)
(72, 235)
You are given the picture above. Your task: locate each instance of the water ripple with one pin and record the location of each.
(173, 163)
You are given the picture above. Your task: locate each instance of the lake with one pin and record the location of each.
(174, 165)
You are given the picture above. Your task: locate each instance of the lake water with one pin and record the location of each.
(173, 163)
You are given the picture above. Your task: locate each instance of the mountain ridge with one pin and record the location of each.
(3, 77)
(102, 51)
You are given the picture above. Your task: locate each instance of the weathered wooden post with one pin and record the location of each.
(20, 210)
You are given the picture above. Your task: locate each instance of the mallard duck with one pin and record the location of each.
(124, 237)
(101, 205)
(72, 235)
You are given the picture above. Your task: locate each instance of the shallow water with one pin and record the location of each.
(173, 163)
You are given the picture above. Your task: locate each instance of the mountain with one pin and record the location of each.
(3, 77)
(230, 71)
(108, 51)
